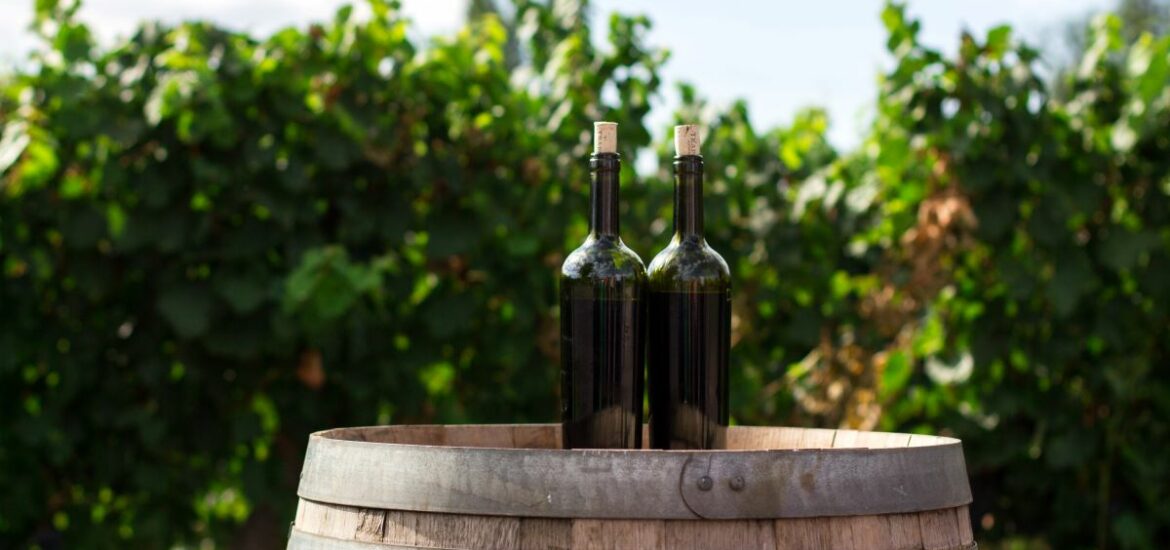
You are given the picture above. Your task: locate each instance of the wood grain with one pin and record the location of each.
(905, 531)
(546, 534)
(872, 532)
(934, 530)
(963, 520)
(793, 534)
(699, 535)
(592, 534)
(940, 530)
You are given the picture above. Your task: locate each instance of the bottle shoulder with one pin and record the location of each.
(687, 264)
(606, 259)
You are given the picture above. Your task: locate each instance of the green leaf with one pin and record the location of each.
(522, 244)
(896, 374)
(172, 93)
(1149, 69)
(12, 143)
(85, 227)
(327, 285)
(996, 214)
(1072, 279)
(243, 293)
(448, 315)
(1120, 249)
(893, 17)
(73, 41)
(187, 308)
(931, 339)
(998, 41)
(437, 378)
(451, 235)
(1105, 38)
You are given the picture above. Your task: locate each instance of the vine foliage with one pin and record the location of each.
(213, 244)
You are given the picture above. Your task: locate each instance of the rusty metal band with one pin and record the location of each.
(635, 484)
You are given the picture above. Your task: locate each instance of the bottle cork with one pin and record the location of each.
(686, 140)
(604, 137)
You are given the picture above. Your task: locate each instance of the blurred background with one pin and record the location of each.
(224, 226)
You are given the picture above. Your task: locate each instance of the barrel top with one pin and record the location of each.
(525, 437)
(518, 470)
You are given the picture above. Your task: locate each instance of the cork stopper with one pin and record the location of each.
(686, 140)
(604, 137)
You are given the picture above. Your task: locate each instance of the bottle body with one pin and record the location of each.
(602, 350)
(689, 318)
(602, 299)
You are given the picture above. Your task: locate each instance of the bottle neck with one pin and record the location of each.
(605, 178)
(688, 197)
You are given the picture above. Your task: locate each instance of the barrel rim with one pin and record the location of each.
(920, 440)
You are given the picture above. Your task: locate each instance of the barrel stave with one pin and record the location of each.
(936, 530)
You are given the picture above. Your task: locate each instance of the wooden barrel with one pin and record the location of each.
(510, 486)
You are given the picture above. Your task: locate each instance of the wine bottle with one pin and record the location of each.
(689, 320)
(602, 310)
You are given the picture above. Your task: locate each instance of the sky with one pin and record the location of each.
(778, 55)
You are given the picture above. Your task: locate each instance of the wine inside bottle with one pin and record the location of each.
(689, 319)
(602, 322)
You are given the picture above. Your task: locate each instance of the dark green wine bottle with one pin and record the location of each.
(689, 320)
(602, 310)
